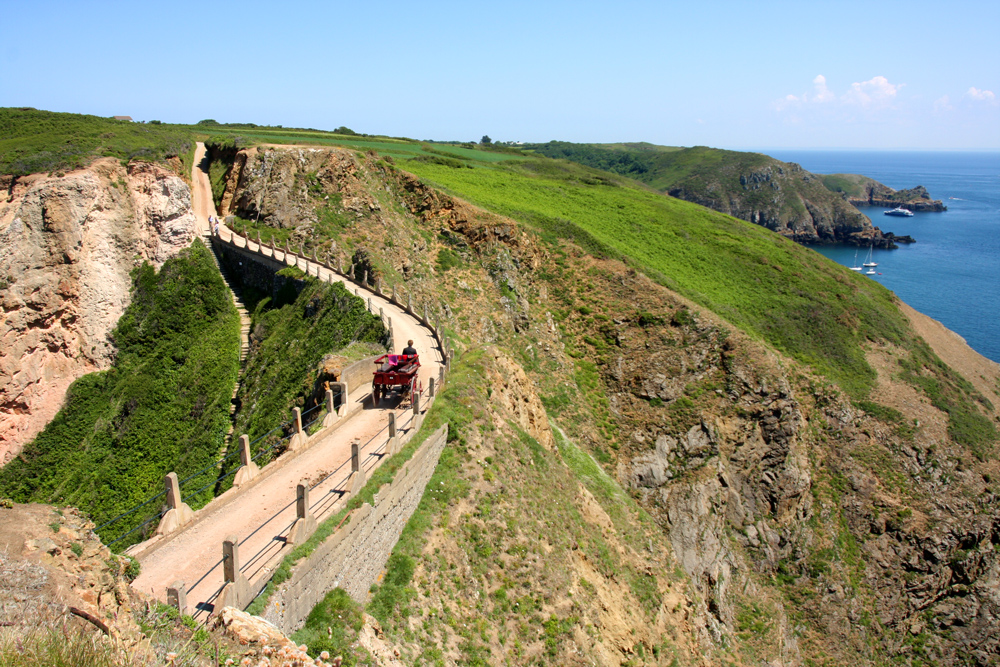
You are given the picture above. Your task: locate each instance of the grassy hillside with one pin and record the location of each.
(35, 141)
(163, 406)
(804, 305)
(660, 167)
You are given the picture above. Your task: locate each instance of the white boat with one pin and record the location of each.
(869, 263)
(899, 211)
(870, 272)
(856, 267)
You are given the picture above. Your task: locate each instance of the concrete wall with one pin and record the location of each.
(359, 373)
(354, 556)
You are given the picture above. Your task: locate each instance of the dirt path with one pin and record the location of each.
(261, 516)
(201, 191)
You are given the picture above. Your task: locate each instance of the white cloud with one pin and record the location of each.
(981, 95)
(876, 92)
(822, 93)
(943, 104)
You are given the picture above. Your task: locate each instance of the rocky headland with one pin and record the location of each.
(67, 245)
(781, 196)
(864, 191)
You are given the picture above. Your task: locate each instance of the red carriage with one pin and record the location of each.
(395, 370)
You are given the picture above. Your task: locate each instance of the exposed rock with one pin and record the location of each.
(67, 245)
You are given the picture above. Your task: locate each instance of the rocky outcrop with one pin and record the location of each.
(873, 193)
(67, 245)
(783, 197)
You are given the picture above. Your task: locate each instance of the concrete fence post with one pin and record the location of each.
(381, 314)
(441, 375)
(230, 559)
(364, 279)
(393, 298)
(331, 411)
(305, 523)
(248, 469)
(302, 249)
(236, 591)
(392, 446)
(299, 438)
(350, 273)
(357, 479)
(177, 597)
(345, 394)
(430, 388)
(409, 302)
(370, 305)
(425, 321)
(417, 417)
(378, 286)
(178, 514)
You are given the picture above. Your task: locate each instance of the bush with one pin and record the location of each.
(163, 406)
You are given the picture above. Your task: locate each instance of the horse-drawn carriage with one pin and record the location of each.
(392, 371)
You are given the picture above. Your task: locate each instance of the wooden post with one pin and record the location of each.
(430, 388)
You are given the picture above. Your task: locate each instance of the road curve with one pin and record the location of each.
(261, 517)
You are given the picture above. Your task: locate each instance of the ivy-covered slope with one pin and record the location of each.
(291, 334)
(163, 406)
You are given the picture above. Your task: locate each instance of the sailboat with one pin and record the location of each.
(869, 262)
(856, 267)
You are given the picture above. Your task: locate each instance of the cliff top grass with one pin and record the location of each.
(806, 306)
(33, 141)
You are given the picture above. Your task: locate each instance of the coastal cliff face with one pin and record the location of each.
(782, 197)
(67, 245)
(796, 525)
(869, 192)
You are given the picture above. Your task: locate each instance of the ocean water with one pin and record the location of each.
(952, 272)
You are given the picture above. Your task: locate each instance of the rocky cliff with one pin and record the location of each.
(864, 191)
(67, 245)
(781, 196)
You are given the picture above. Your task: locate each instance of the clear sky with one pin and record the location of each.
(804, 74)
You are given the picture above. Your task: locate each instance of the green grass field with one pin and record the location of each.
(34, 141)
(803, 304)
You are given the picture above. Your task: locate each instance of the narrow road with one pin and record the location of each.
(261, 517)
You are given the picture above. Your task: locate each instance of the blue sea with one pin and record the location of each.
(952, 272)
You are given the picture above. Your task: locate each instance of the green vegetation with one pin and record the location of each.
(163, 406)
(306, 320)
(57, 645)
(333, 626)
(37, 141)
(790, 296)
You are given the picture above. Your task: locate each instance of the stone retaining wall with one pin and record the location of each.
(354, 556)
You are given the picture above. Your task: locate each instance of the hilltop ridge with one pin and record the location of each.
(781, 196)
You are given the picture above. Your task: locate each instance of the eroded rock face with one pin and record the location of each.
(67, 245)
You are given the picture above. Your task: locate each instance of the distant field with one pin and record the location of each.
(386, 146)
(804, 305)
(39, 141)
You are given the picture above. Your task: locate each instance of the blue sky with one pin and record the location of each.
(913, 75)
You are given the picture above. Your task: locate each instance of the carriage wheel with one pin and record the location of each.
(376, 393)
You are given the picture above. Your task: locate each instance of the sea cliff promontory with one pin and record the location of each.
(781, 196)
(865, 191)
